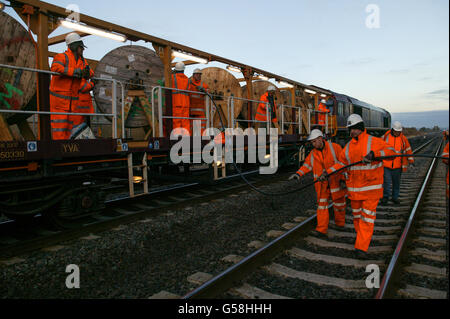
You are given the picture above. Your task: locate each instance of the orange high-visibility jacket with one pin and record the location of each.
(401, 147)
(320, 160)
(261, 114)
(197, 101)
(365, 181)
(180, 81)
(445, 154)
(321, 116)
(65, 86)
(64, 92)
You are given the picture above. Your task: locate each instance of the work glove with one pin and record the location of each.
(77, 73)
(369, 157)
(294, 176)
(86, 73)
(323, 177)
(342, 184)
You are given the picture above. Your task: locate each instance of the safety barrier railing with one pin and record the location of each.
(113, 115)
(299, 122)
(313, 113)
(161, 117)
(234, 122)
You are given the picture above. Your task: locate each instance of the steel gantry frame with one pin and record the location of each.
(42, 19)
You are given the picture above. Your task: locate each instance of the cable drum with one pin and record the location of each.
(131, 64)
(221, 85)
(17, 87)
(259, 88)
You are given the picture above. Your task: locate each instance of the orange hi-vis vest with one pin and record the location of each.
(321, 117)
(64, 92)
(401, 146)
(180, 101)
(261, 112)
(197, 101)
(365, 181)
(319, 161)
(445, 154)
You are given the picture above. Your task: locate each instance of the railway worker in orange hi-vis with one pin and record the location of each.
(64, 87)
(197, 101)
(180, 100)
(394, 167)
(329, 192)
(445, 154)
(323, 109)
(365, 180)
(261, 112)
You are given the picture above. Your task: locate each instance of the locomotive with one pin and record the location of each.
(65, 180)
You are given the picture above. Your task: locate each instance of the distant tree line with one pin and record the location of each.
(411, 131)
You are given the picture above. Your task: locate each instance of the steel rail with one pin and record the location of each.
(227, 279)
(385, 285)
(230, 276)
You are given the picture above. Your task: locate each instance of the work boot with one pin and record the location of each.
(361, 254)
(396, 201)
(319, 234)
(384, 201)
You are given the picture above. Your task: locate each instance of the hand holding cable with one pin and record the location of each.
(323, 177)
(369, 157)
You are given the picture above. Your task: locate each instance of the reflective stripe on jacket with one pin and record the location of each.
(401, 146)
(319, 160)
(365, 181)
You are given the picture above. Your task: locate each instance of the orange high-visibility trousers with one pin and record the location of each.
(323, 216)
(181, 111)
(364, 214)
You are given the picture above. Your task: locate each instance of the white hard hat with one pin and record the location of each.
(72, 37)
(315, 134)
(397, 126)
(271, 88)
(179, 66)
(354, 119)
(323, 101)
(197, 71)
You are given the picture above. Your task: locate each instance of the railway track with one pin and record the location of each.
(299, 265)
(17, 238)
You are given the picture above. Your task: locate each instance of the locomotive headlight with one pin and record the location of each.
(2, 6)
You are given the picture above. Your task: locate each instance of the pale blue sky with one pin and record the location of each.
(401, 66)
